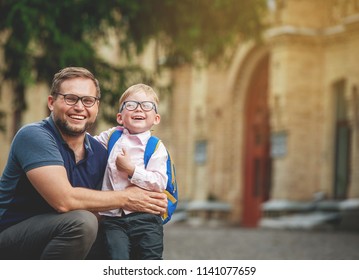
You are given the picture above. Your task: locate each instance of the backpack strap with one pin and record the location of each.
(114, 136)
(151, 147)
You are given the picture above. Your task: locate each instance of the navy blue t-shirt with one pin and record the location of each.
(40, 144)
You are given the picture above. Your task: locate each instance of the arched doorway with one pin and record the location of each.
(257, 165)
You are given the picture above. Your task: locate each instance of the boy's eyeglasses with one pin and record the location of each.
(145, 106)
(72, 99)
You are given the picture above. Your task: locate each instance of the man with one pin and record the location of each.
(52, 180)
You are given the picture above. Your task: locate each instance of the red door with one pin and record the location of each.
(257, 160)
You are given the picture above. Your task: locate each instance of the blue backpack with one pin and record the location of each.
(171, 188)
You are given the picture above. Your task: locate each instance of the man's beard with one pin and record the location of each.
(66, 129)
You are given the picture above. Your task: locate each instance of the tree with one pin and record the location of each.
(40, 37)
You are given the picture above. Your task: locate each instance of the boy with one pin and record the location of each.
(130, 235)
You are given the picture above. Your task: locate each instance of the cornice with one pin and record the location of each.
(291, 30)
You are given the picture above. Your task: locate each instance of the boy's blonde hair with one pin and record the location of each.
(136, 88)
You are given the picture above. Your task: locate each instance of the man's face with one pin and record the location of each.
(74, 120)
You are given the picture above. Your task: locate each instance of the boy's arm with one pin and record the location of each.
(104, 136)
(154, 177)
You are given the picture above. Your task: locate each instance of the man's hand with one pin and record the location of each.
(140, 200)
(123, 163)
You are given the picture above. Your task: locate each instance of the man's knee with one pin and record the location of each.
(53, 236)
(84, 223)
(75, 234)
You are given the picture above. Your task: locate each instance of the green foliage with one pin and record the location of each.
(42, 37)
(189, 27)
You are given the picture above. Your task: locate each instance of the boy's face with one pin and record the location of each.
(138, 120)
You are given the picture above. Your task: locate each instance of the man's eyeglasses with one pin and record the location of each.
(145, 106)
(72, 99)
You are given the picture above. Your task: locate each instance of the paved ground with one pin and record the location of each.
(184, 242)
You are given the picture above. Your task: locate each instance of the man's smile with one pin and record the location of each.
(77, 117)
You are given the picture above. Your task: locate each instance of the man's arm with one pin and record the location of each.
(52, 184)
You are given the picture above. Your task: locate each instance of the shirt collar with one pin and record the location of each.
(143, 137)
(54, 127)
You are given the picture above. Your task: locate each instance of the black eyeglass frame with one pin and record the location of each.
(154, 107)
(78, 98)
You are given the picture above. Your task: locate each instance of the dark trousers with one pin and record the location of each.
(136, 236)
(58, 236)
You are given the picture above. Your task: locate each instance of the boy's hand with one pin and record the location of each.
(123, 163)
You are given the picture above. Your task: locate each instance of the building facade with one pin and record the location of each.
(276, 130)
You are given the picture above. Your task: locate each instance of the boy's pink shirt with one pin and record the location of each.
(152, 178)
